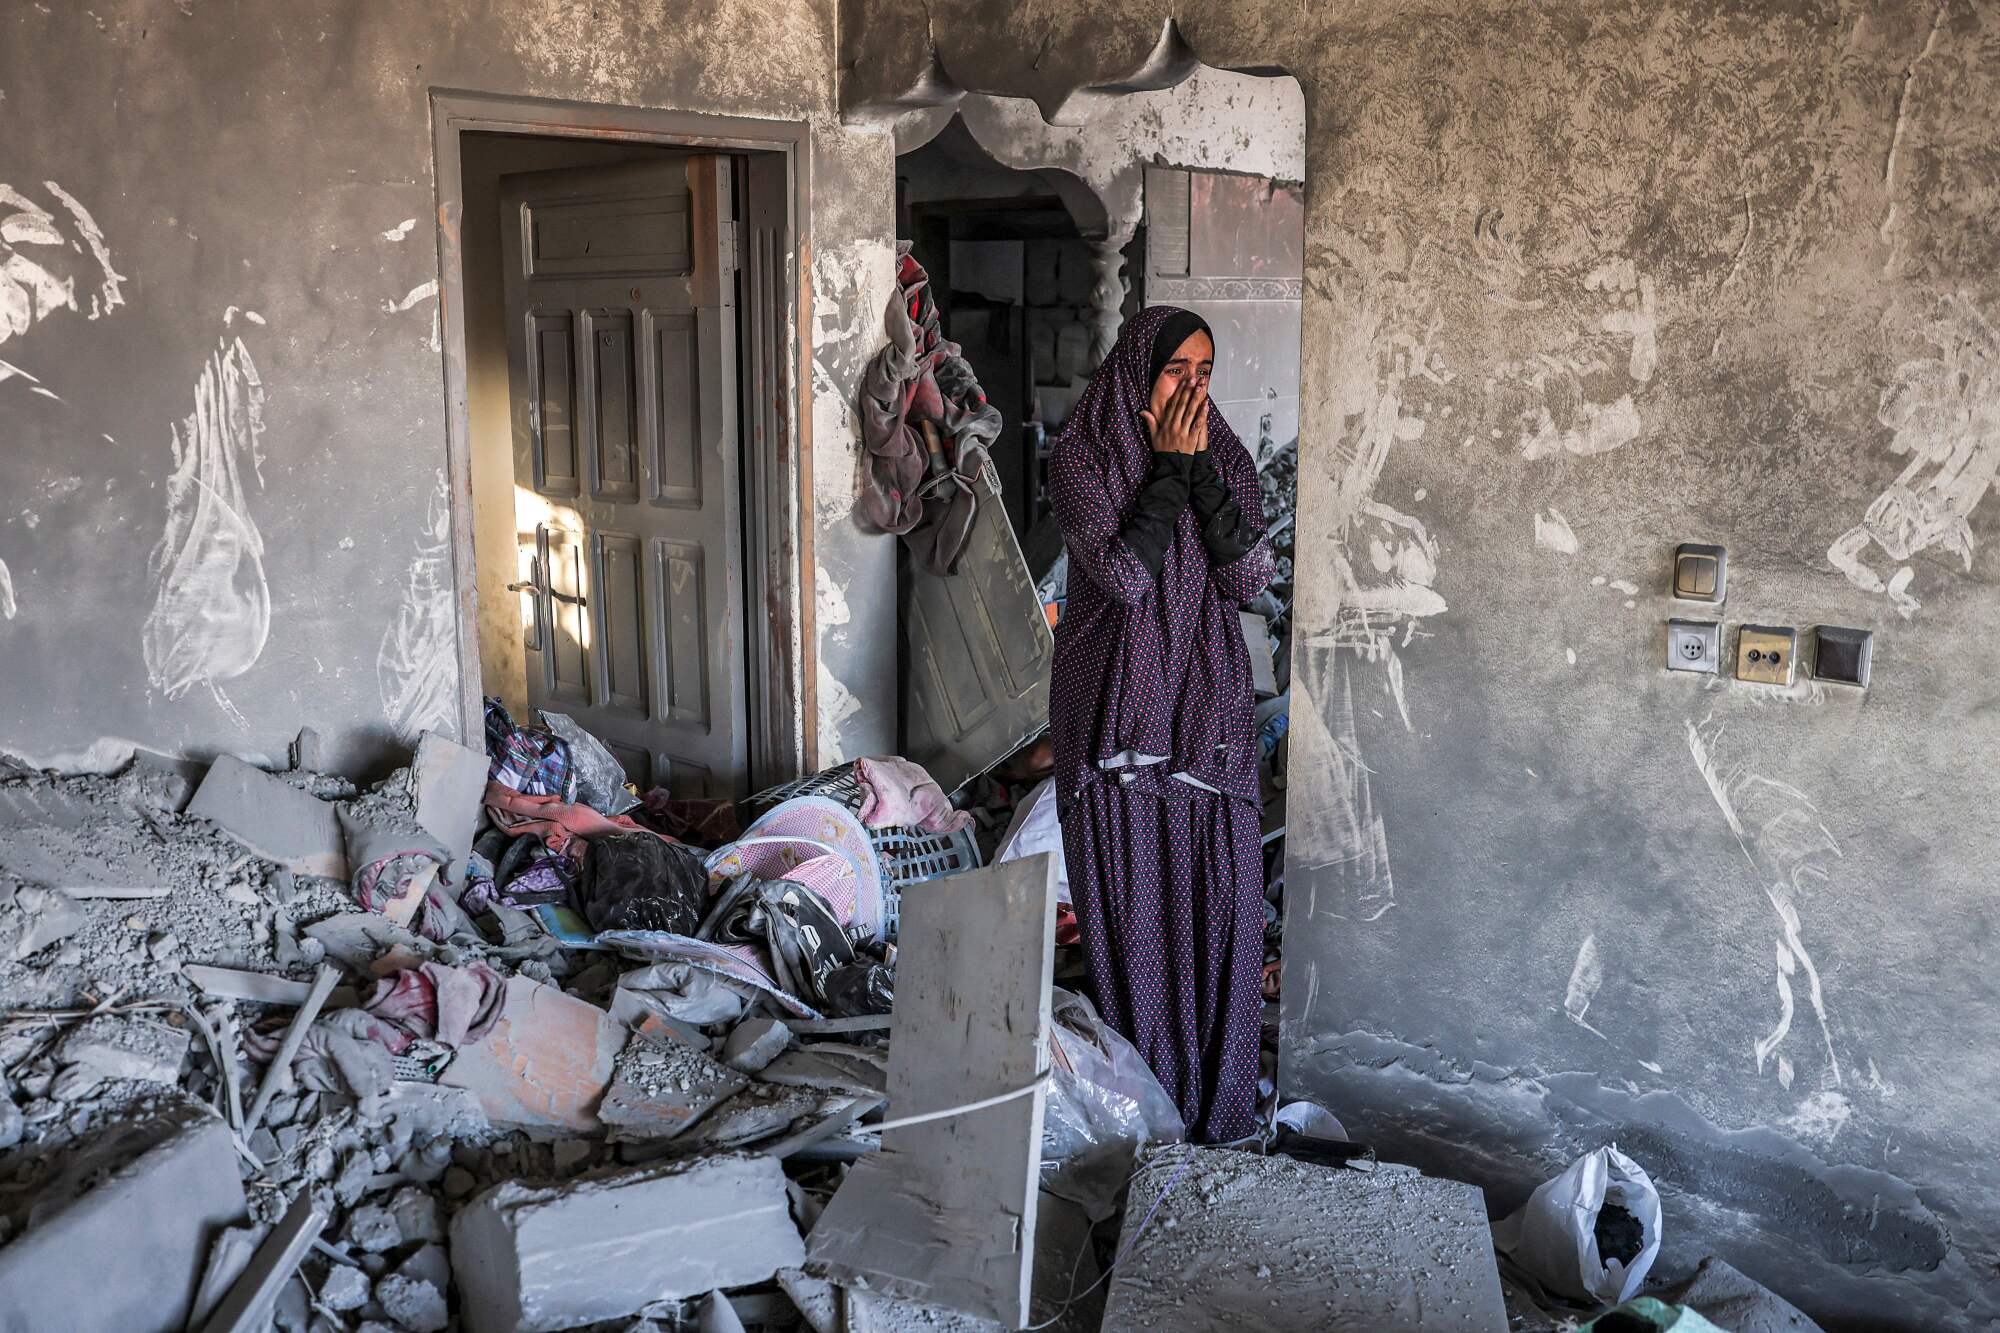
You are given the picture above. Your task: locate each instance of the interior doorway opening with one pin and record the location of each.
(1039, 243)
(629, 436)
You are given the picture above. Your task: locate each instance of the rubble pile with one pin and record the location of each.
(433, 1093)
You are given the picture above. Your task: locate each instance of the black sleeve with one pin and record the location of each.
(1216, 513)
(1150, 530)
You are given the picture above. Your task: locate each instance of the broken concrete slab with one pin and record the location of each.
(847, 1070)
(940, 1214)
(171, 1187)
(450, 783)
(814, 1298)
(48, 916)
(357, 939)
(536, 1259)
(1242, 1241)
(661, 1088)
(545, 1066)
(1065, 1273)
(272, 818)
(127, 1046)
(754, 1043)
(1735, 1302)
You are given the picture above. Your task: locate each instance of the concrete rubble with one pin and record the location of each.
(280, 1108)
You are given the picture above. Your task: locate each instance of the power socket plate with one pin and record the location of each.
(1694, 645)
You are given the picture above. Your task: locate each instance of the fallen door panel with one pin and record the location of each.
(977, 649)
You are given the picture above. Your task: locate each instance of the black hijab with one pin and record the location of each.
(1176, 329)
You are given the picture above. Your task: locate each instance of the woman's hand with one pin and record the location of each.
(1182, 425)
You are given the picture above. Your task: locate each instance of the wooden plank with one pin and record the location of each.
(279, 1073)
(945, 1212)
(248, 1306)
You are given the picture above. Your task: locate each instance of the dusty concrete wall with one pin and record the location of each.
(1215, 119)
(216, 222)
(1583, 282)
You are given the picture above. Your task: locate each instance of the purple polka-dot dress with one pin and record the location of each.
(1156, 762)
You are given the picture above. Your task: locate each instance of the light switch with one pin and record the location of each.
(1700, 572)
(1842, 655)
(1694, 645)
(1765, 653)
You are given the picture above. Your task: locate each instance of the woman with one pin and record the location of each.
(1151, 713)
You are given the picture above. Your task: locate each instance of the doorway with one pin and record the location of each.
(619, 321)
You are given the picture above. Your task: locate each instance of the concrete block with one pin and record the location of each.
(534, 1259)
(272, 818)
(754, 1043)
(126, 1046)
(545, 1066)
(450, 782)
(1240, 1241)
(127, 1255)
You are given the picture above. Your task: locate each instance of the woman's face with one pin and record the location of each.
(1193, 360)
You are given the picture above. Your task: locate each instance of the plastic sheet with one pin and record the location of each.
(1103, 1103)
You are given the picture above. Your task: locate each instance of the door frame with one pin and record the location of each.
(774, 370)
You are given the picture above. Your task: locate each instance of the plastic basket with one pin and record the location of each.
(908, 855)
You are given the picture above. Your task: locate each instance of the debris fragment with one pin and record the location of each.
(519, 1252)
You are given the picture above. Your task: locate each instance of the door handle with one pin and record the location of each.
(565, 597)
(522, 587)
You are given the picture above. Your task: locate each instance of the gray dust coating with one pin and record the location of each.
(1584, 281)
(1241, 1243)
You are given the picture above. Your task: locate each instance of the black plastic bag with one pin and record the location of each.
(637, 881)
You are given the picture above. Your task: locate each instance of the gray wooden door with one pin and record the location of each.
(620, 295)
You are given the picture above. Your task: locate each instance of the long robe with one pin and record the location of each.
(1151, 711)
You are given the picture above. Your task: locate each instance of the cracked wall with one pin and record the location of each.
(219, 360)
(1585, 281)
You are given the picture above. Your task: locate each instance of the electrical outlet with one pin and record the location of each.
(1694, 645)
(1766, 654)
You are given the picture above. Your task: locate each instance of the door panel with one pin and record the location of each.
(614, 407)
(621, 301)
(677, 466)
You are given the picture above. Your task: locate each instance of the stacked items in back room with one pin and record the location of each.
(496, 1043)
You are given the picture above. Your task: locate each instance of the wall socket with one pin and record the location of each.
(1767, 654)
(1694, 645)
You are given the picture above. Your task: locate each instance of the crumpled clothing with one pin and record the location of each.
(706, 822)
(479, 895)
(526, 759)
(899, 793)
(386, 850)
(548, 879)
(921, 378)
(338, 1054)
(682, 991)
(453, 1006)
(558, 823)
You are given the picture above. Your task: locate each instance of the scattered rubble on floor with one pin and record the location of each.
(308, 1057)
